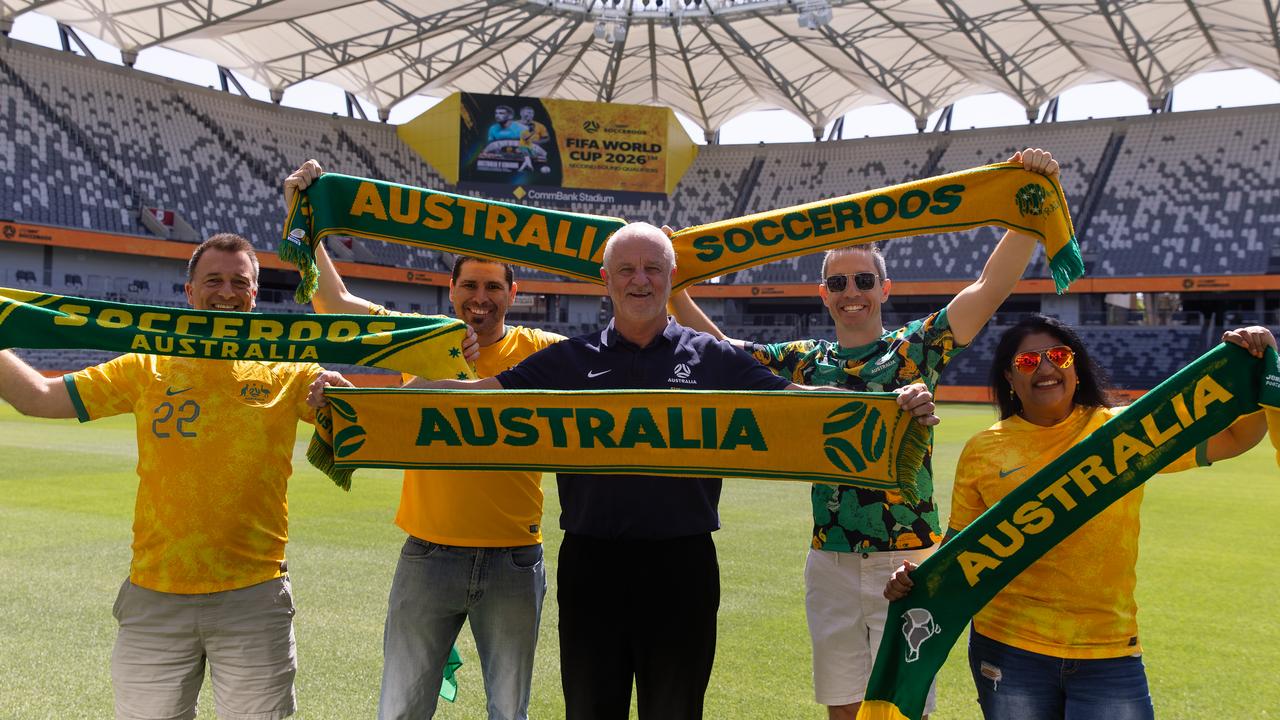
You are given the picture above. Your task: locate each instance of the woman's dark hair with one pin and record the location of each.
(1093, 388)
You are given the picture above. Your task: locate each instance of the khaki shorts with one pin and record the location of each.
(157, 665)
(844, 603)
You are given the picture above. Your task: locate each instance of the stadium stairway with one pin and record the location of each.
(260, 170)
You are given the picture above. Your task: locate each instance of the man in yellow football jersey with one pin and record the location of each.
(207, 580)
(532, 140)
(474, 549)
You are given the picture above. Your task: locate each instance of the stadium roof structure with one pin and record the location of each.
(709, 59)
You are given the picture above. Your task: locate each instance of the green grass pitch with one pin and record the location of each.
(1208, 583)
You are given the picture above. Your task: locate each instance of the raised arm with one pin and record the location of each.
(914, 399)
(687, 313)
(31, 393)
(970, 310)
(1246, 432)
(330, 378)
(332, 296)
(489, 383)
(1237, 439)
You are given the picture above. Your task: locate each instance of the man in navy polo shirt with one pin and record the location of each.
(638, 582)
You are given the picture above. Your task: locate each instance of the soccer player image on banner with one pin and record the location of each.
(499, 146)
(533, 141)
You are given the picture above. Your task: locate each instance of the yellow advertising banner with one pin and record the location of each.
(620, 147)
(552, 150)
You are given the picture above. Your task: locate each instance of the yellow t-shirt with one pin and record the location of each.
(537, 132)
(1077, 600)
(479, 509)
(1273, 429)
(215, 451)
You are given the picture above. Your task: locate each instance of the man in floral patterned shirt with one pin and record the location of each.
(861, 536)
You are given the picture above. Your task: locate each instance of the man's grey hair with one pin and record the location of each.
(872, 248)
(668, 252)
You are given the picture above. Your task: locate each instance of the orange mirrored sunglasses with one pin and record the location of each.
(1060, 355)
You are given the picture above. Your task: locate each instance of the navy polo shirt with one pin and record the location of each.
(640, 507)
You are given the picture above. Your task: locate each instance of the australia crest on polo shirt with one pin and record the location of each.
(682, 374)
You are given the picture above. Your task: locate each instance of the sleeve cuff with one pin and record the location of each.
(1202, 454)
(81, 414)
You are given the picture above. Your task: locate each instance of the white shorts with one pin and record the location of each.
(845, 605)
(157, 664)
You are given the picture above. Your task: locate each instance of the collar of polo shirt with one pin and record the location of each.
(609, 336)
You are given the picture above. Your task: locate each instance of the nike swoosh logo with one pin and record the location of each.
(596, 374)
(1007, 473)
(171, 392)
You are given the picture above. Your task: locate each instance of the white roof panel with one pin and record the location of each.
(711, 59)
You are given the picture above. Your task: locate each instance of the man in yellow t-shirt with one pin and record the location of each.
(215, 446)
(474, 550)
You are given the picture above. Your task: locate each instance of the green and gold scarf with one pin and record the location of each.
(428, 346)
(565, 243)
(859, 439)
(964, 574)
(572, 244)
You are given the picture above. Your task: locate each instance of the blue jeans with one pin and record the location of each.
(436, 588)
(1015, 684)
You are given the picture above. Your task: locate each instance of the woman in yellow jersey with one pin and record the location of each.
(1061, 640)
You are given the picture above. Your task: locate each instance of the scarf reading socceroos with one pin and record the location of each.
(954, 583)
(572, 244)
(860, 439)
(428, 346)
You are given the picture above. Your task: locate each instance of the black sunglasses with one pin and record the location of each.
(862, 281)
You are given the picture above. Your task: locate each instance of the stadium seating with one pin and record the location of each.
(801, 173)
(91, 144)
(1192, 193)
(94, 142)
(1078, 148)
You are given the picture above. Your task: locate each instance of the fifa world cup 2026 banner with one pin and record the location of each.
(513, 147)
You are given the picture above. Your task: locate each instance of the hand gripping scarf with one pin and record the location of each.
(860, 439)
(572, 244)
(964, 574)
(429, 346)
